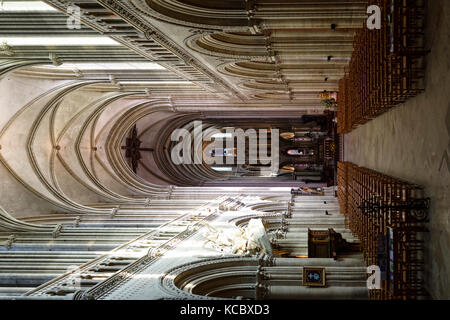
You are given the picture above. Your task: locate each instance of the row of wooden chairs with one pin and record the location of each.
(387, 66)
(388, 215)
(342, 170)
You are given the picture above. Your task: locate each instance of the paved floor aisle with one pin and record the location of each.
(412, 142)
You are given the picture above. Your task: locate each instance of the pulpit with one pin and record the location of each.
(328, 244)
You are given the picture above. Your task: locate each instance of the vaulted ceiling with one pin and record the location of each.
(74, 93)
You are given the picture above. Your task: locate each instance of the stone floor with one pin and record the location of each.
(412, 142)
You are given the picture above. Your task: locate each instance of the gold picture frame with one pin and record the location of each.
(314, 277)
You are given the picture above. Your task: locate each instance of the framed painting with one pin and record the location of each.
(314, 277)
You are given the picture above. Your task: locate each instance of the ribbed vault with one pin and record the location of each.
(93, 204)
